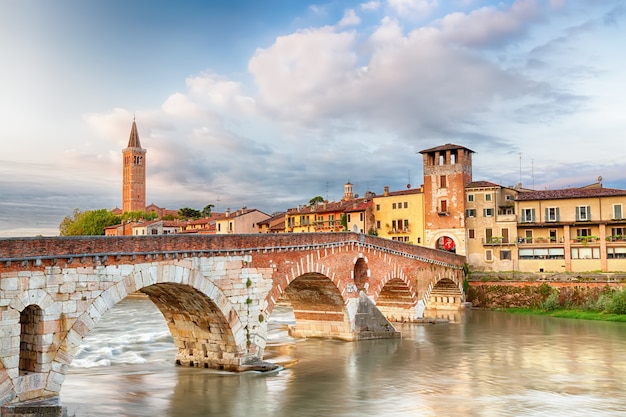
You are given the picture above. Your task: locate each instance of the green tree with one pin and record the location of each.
(189, 213)
(344, 221)
(135, 216)
(206, 211)
(86, 223)
(316, 200)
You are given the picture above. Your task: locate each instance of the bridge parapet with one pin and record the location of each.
(35, 252)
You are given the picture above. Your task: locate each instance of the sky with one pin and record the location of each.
(266, 104)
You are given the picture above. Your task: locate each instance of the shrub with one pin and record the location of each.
(552, 302)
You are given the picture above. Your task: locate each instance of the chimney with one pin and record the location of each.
(227, 212)
(386, 191)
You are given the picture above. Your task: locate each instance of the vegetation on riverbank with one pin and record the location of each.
(569, 314)
(581, 302)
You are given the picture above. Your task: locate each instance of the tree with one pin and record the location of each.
(206, 211)
(85, 223)
(189, 213)
(138, 215)
(316, 200)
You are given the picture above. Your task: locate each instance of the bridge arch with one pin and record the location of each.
(396, 296)
(445, 292)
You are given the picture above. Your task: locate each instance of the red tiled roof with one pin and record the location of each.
(446, 147)
(569, 193)
(481, 184)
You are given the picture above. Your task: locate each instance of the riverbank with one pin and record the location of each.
(569, 314)
(601, 301)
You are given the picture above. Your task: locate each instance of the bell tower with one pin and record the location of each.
(134, 173)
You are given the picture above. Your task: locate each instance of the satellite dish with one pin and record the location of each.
(600, 178)
(408, 186)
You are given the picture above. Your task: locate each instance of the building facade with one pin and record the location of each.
(447, 170)
(400, 215)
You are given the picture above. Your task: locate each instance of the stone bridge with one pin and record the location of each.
(216, 293)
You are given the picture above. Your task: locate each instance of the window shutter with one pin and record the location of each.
(588, 212)
(558, 215)
(532, 214)
(577, 214)
(547, 216)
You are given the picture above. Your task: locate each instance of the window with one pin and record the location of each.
(618, 232)
(488, 212)
(471, 233)
(488, 197)
(470, 213)
(552, 214)
(617, 211)
(583, 232)
(442, 181)
(377, 207)
(378, 224)
(406, 204)
(616, 253)
(393, 206)
(585, 253)
(509, 197)
(505, 255)
(542, 253)
(444, 206)
(488, 235)
(528, 215)
(406, 224)
(488, 255)
(349, 218)
(470, 197)
(505, 235)
(552, 235)
(583, 213)
(360, 216)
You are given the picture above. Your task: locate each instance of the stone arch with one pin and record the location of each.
(396, 296)
(446, 242)
(163, 283)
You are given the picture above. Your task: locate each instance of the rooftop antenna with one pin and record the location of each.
(326, 190)
(408, 185)
(532, 171)
(520, 168)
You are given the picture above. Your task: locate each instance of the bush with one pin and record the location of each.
(552, 302)
(617, 303)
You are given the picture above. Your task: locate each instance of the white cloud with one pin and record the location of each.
(370, 5)
(489, 26)
(413, 8)
(349, 18)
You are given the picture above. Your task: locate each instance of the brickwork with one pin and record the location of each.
(216, 294)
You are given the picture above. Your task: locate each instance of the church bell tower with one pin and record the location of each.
(134, 174)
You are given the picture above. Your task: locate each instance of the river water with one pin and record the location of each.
(483, 364)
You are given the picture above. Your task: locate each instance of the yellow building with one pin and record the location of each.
(572, 230)
(400, 215)
(491, 227)
(242, 221)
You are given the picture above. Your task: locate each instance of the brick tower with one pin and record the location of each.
(447, 170)
(134, 174)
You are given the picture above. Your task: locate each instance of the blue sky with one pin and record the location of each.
(267, 104)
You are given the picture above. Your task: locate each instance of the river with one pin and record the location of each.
(483, 364)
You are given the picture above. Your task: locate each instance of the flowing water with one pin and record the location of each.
(484, 364)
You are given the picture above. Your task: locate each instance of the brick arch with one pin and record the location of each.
(444, 291)
(395, 295)
(361, 272)
(311, 266)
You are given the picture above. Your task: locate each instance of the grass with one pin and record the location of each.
(569, 314)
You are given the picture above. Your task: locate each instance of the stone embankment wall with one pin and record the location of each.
(527, 290)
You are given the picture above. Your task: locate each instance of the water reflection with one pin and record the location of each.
(483, 364)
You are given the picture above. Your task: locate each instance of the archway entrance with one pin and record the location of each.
(446, 243)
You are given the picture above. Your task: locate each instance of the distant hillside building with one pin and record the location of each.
(134, 173)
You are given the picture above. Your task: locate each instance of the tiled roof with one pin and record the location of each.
(402, 192)
(362, 206)
(446, 147)
(481, 184)
(569, 193)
